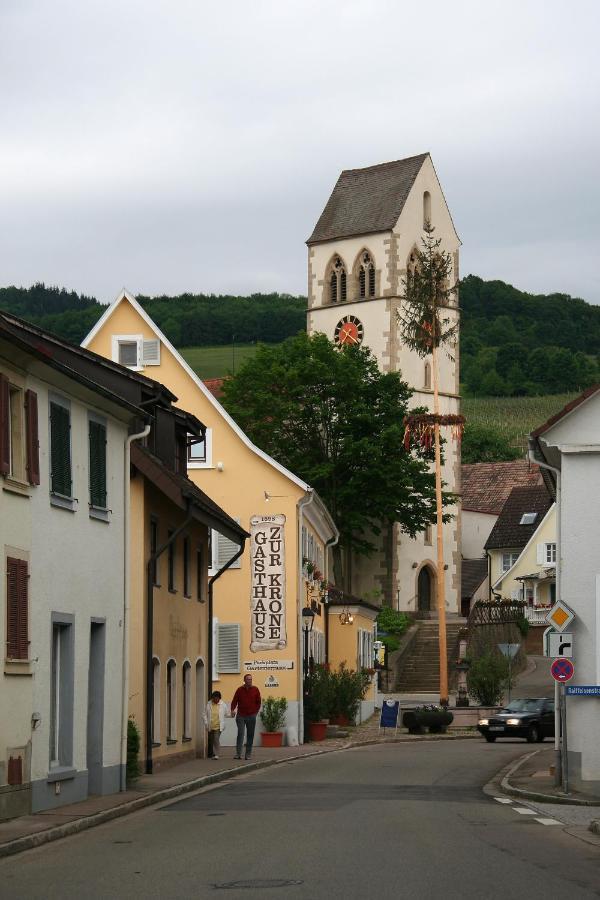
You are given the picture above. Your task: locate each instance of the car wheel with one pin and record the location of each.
(533, 735)
(490, 738)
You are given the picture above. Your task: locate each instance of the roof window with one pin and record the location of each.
(528, 518)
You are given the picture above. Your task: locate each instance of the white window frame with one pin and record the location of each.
(138, 339)
(550, 553)
(236, 666)
(366, 650)
(215, 537)
(513, 556)
(207, 462)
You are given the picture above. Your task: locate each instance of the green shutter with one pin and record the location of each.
(97, 464)
(60, 450)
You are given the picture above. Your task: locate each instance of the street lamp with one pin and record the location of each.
(308, 620)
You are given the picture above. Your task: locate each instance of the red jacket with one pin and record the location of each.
(246, 700)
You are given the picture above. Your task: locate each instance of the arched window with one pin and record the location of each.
(366, 276)
(187, 700)
(427, 376)
(426, 208)
(171, 701)
(337, 281)
(155, 701)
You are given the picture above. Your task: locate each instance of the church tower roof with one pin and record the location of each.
(369, 200)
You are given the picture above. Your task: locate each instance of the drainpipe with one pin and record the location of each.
(127, 602)
(557, 751)
(328, 545)
(150, 632)
(211, 581)
(302, 504)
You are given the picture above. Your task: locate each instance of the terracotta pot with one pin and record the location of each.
(340, 720)
(271, 738)
(317, 730)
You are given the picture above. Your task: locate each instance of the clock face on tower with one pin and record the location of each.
(348, 332)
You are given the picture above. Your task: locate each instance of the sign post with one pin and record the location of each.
(390, 711)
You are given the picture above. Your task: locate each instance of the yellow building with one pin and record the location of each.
(258, 601)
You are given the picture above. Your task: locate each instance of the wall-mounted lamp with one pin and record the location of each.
(220, 466)
(414, 565)
(269, 496)
(445, 567)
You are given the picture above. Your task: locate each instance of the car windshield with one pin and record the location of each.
(523, 706)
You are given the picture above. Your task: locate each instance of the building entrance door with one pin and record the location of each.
(95, 721)
(424, 590)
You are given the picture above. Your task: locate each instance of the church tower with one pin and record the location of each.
(358, 256)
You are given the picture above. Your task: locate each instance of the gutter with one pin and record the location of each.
(211, 581)
(127, 602)
(302, 504)
(328, 545)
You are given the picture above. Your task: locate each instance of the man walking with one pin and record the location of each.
(246, 701)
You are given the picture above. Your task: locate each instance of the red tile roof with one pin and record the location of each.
(215, 386)
(486, 486)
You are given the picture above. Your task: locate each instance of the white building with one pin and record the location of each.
(358, 256)
(62, 500)
(570, 443)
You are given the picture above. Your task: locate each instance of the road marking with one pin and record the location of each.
(524, 811)
(502, 800)
(548, 822)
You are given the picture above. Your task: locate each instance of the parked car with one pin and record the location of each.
(532, 719)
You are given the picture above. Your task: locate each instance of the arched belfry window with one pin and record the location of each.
(366, 275)
(427, 376)
(426, 208)
(337, 281)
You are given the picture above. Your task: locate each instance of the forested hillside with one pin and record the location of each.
(512, 343)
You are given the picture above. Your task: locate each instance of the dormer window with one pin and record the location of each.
(337, 281)
(133, 351)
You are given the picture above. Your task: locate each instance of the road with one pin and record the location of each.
(384, 821)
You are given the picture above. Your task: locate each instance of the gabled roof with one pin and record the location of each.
(508, 533)
(125, 295)
(486, 486)
(573, 404)
(473, 573)
(365, 201)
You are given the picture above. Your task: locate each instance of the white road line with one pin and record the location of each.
(524, 811)
(502, 800)
(548, 822)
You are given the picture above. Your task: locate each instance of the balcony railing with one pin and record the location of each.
(536, 615)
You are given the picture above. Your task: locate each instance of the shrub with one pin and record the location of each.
(523, 626)
(318, 701)
(391, 626)
(133, 749)
(272, 713)
(348, 689)
(487, 677)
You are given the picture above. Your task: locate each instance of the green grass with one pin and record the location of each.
(215, 362)
(514, 417)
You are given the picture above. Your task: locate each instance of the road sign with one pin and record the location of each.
(560, 644)
(560, 616)
(583, 690)
(562, 670)
(509, 650)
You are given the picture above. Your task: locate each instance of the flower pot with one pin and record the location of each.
(271, 738)
(340, 720)
(317, 730)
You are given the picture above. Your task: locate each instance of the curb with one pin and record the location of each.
(30, 841)
(512, 791)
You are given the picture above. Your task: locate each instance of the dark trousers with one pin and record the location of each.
(249, 724)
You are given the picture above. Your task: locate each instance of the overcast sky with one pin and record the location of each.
(191, 146)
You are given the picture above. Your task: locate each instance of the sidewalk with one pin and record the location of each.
(30, 831)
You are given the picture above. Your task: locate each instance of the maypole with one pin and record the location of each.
(423, 330)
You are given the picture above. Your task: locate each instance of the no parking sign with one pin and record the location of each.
(562, 669)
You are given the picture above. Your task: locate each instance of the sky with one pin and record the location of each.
(191, 146)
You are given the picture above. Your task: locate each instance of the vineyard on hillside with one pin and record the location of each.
(513, 417)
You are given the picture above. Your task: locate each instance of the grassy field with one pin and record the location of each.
(215, 362)
(515, 417)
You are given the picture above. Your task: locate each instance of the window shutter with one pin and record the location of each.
(540, 559)
(17, 644)
(151, 352)
(4, 426)
(228, 651)
(60, 450)
(97, 438)
(33, 444)
(225, 549)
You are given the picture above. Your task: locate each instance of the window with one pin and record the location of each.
(19, 444)
(427, 535)
(133, 351)
(228, 648)
(155, 702)
(153, 549)
(366, 651)
(550, 553)
(17, 609)
(187, 701)
(199, 451)
(222, 549)
(528, 518)
(427, 377)
(366, 276)
(546, 554)
(61, 692)
(97, 459)
(200, 575)
(171, 702)
(171, 564)
(426, 209)
(316, 647)
(186, 568)
(337, 281)
(509, 559)
(60, 449)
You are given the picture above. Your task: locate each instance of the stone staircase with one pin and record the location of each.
(421, 671)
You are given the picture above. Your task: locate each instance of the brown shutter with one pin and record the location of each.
(4, 426)
(33, 444)
(17, 644)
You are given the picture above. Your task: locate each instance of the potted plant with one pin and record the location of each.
(348, 689)
(435, 718)
(318, 701)
(272, 715)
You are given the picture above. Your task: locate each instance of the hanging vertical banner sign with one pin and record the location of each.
(267, 583)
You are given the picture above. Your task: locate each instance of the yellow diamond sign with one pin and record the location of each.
(560, 616)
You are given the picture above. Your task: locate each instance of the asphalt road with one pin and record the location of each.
(386, 821)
